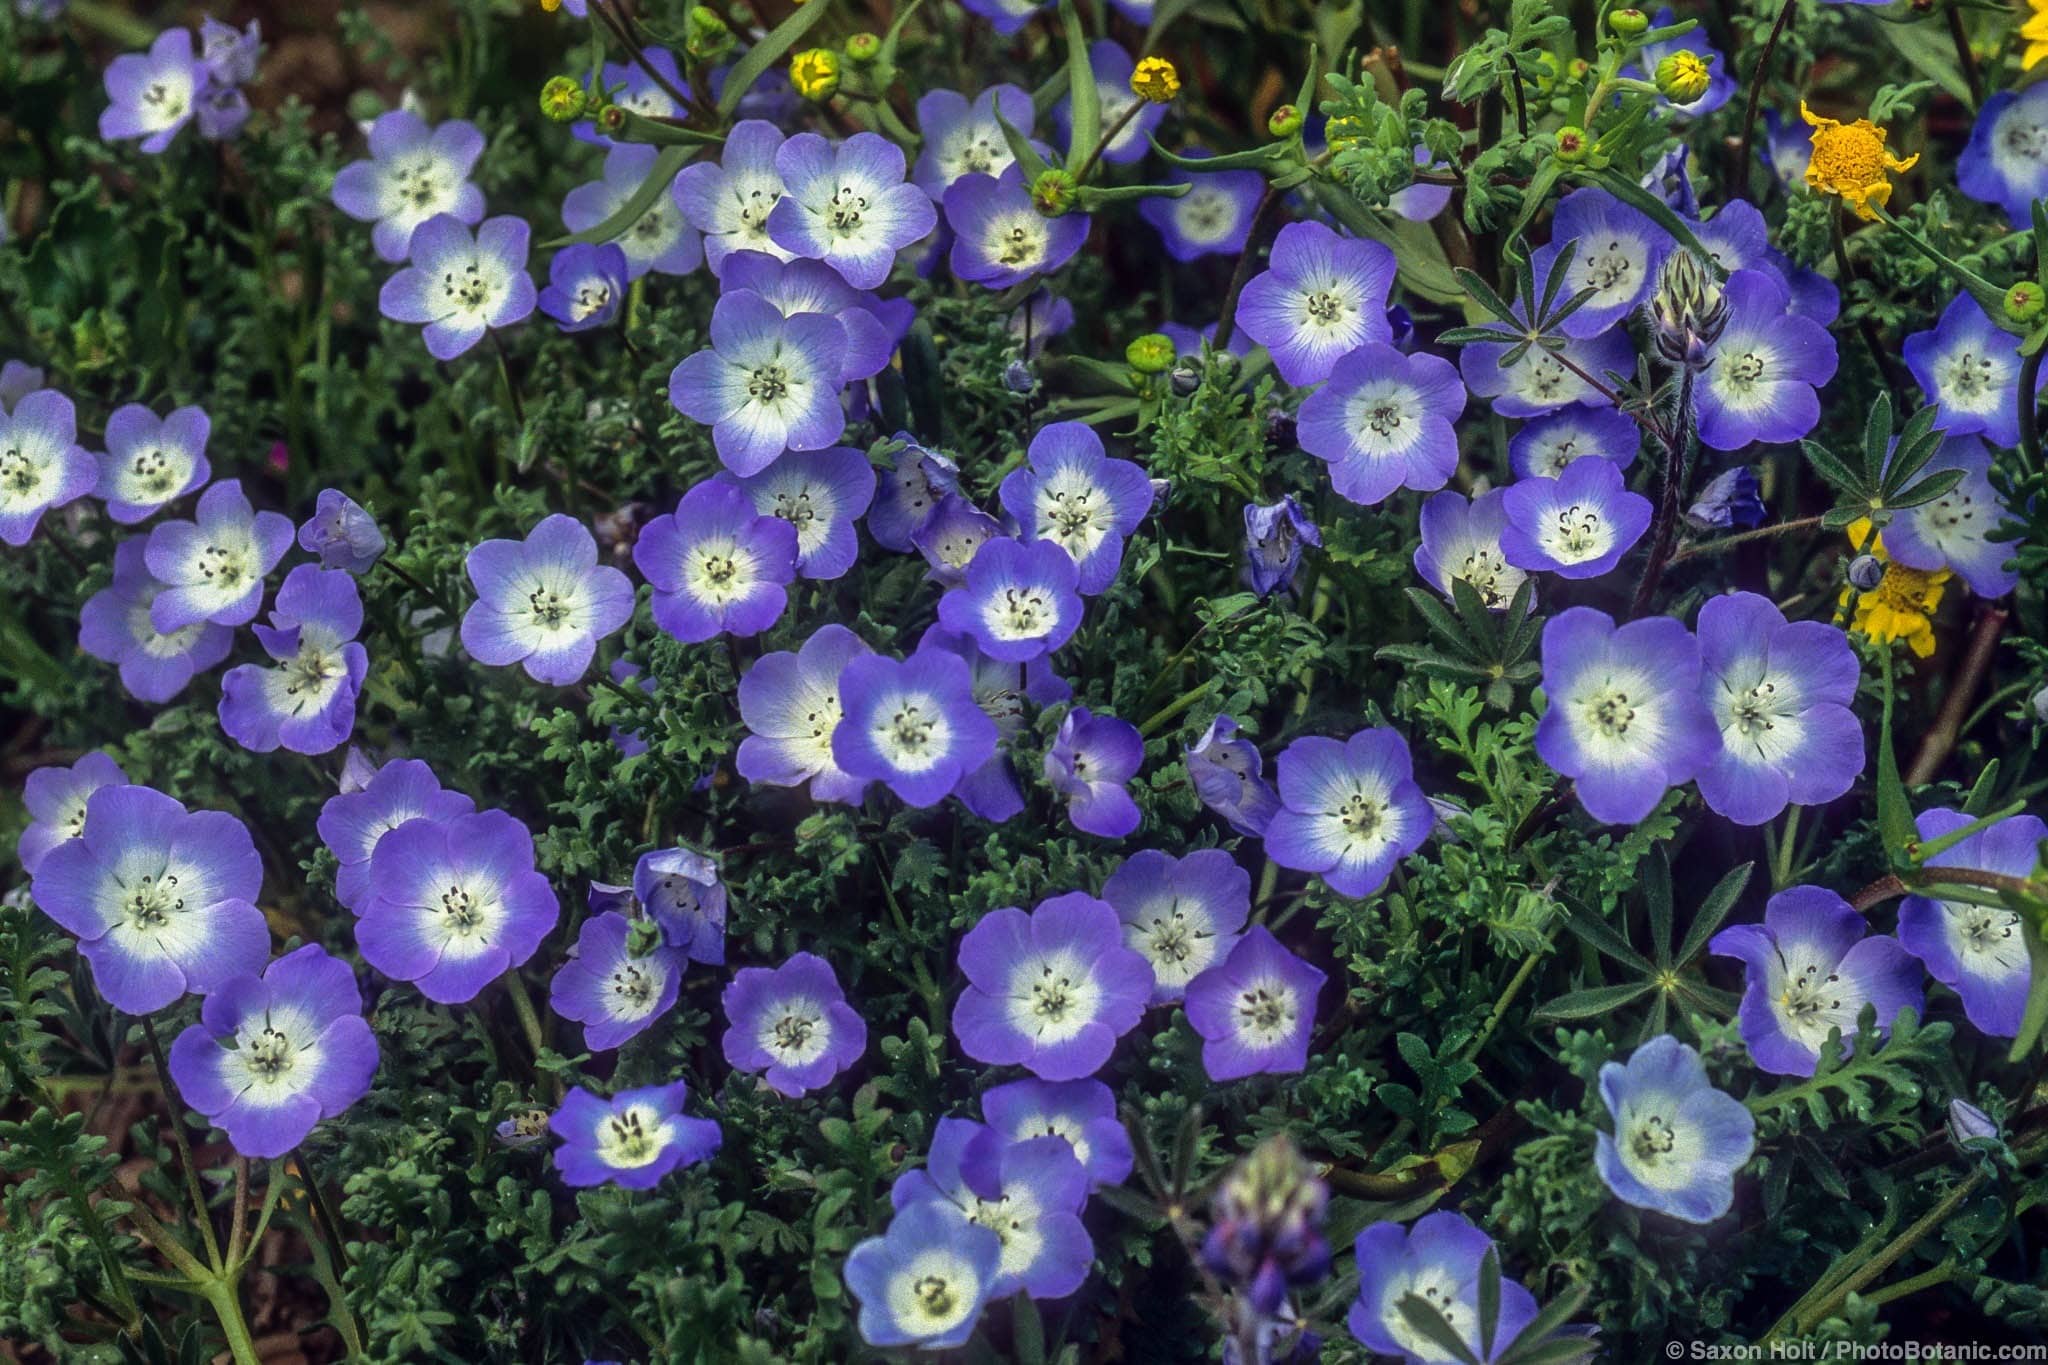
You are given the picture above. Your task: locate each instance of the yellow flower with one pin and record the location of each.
(1156, 80)
(1684, 76)
(815, 73)
(1902, 604)
(550, 5)
(2035, 31)
(1850, 160)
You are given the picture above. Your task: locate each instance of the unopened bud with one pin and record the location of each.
(863, 48)
(2024, 301)
(1865, 573)
(1572, 144)
(1628, 23)
(814, 74)
(1152, 353)
(562, 100)
(1683, 76)
(1285, 121)
(1054, 191)
(1689, 310)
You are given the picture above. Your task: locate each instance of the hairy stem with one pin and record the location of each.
(1677, 473)
(1941, 737)
(177, 1123)
(1756, 90)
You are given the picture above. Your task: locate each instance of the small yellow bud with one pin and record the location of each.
(1156, 80)
(815, 74)
(1152, 353)
(562, 100)
(1683, 76)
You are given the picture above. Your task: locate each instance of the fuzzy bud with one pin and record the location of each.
(1266, 1228)
(1689, 310)
(562, 100)
(1628, 23)
(2024, 301)
(1865, 573)
(1018, 379)
(1054, 191)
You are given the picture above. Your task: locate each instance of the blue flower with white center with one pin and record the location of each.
(608, 988)
(924, 1281)
(1228, 774)
(1761, 378)
(1349, 809)
(1001, 691)
(115, 625)
(718, 565)
(1812, 965)
(162, 899)
(1320, 297)
(2006, 161)
(459, 285)
(586, 286)
(1738, 238)
(953, 536)
(1577, 525)
(766, 383)
(1384, 421)
(355, 820)
(1255, 1010)
(791, 1025)
(909, 494)
(661, 240)
(213, 567)
(1274, 534)
(414, 172)
(848, 205)
(1090, 762)
(1017, 600)
(307, 703)
(1184, 915)
(729, 200)
(1677, 1142)
(1112, 68)
(1625, 720)
(912, 724)
(681, 891)
(1461, 539)
(1029, 1194)
(544, 602)
(1617, 254)
(819, 493)
(1546, 445)
(276, 1053)
(1955, 530)
(1214, 218)
(1977, 951)
(803, 286)
(963, 138)
(1000, 238)
(151, 461)
(632, 1139)
(1082, 1113)
(1052, 990)
(790, 706)
(56, 798)
(153, 95)
(1005, 16)
(1438, 1261)
(41, 463)
(1541, 380)
(1071, 493)
(1969, 368)
(1780, 694)
(453, 904)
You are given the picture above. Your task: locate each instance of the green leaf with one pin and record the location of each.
(1489, 1300)
(1598, 932)
(1927, 490)
(1423, 1317)
(1430, 608)
(1021, 149)
(660, 133)
(667, 164)
(1475, 284)
(1084, 107)
(1894, 811)
(1657, 901)
(1659, 212)
(1712, 911)
(1832, 469)
(1877, 439)
(1593, 1002)
(1271, 159)
(1092, 198)
(2035, 1018)
(1027, 1329)
(764, 54)
(1928, 49)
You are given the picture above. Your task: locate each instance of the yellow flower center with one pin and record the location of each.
(1155, 79)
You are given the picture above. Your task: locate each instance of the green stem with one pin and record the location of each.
(1109, 135)
(1720, 543)
(1756, 90)
(1781, 873)
(511, 393)
(330, 1229)
(131, 30)
(1845, 276)
(522, 1005)
(224, 1296)
(1913, 1284)
(1175, 707)
(2030, 403)
(1806, 1319)
(1965, 58)
(1976, 283)
(177, 1118)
